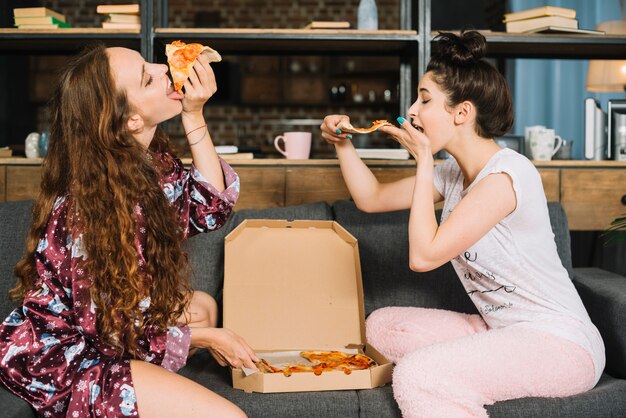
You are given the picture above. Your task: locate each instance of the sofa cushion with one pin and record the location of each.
(387, 279)
(13, 406)
(16, 218)
(607, 399)
(560, 228)
(604, 295)
(206, 260)
(203, 369)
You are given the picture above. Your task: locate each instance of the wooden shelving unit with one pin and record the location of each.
(296, 42)
(411, 43)
(510, 45)
(63, 41)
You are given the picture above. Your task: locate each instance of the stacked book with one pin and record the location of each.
(231, 152)
(545, 19)
(323, 24)
(38, 18)
(120, 16)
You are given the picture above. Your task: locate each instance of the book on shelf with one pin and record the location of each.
(44, 26)
(520, 26)
(118, 8)
(232, 152)
(557, 29)
(116, 25)
(319, 24)
(40, 20)
(539, 12)
(123, 18)
(37, 11)
(383, 153)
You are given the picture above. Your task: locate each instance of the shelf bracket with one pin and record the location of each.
(424, 35)
(147, 38)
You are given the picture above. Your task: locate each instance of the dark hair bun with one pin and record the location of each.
(462, 50)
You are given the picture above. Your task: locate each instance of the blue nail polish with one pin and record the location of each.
(338, 131)
(349, 136)
(400, 120)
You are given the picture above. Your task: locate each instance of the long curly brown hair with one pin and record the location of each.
(95, 161)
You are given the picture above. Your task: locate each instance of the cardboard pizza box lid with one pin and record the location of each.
(293, 285)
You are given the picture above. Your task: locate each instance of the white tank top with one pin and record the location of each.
(513, 274)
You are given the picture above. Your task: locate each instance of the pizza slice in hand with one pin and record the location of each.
(347, 127)
(181, 56)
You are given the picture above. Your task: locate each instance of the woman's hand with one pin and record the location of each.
(412, 139)
(228, 348)
(200, 85)
(330, 133)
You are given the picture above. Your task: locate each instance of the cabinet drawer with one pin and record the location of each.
(3, 184)
(593, 198)
(314, 184)
(262, 187)
(22, 182)
(551, 183)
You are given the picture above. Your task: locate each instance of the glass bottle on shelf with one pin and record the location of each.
(367, 15)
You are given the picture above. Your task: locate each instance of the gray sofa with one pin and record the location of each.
(387, 281)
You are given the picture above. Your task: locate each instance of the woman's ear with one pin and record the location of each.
(135, 123)
(463, 112)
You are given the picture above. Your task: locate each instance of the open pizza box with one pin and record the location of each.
(292, 286)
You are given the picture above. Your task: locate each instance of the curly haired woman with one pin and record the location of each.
(532, 335)
(106, 311)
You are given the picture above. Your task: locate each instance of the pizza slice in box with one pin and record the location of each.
(319, 362)
(181, 56)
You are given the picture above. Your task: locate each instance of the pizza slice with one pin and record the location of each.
(347, 127)
(339, 361)
(321, 361)
(181, 56)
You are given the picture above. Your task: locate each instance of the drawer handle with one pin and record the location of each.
(624, 200)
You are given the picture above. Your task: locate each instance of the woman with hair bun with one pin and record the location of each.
(532, 335)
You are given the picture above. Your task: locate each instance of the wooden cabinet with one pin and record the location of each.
(3, 184)
(261, 187)
(592, 193)
(593, 198)
(307, 185)
(551, 179)
(312, 184)
(22, 182)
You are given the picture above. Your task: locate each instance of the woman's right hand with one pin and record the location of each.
(330, 133)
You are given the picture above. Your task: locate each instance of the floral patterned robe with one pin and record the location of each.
(51, 354)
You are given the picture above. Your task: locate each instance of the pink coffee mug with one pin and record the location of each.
(297, 145)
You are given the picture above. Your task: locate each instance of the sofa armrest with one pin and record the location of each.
(604, 296)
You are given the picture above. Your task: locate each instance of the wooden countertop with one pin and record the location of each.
(334, 162)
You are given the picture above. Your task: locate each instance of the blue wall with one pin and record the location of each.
(552, 92)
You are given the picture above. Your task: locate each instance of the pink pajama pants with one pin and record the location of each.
(448, 364)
